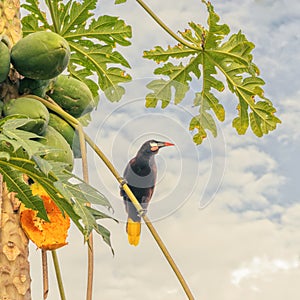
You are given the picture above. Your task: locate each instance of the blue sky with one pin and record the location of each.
(228, 210)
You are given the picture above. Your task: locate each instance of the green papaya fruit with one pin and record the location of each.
(4, 61)
(33, 86)
(67, 131)
(30, 108)
(72, 95)
(59, 149)
(41, 55)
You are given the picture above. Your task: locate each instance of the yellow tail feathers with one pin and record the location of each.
(134, 231)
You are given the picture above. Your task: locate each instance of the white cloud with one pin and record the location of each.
(262, 267)
(289, 131)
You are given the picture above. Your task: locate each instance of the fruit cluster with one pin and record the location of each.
(40, 58)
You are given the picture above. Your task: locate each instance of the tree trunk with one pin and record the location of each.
(14, 266)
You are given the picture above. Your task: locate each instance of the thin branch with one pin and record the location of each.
(45, 274)
(89, 288)
(90, 248)
(58, 275)
(166, 28)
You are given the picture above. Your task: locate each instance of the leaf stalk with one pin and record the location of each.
(166, 28)
(45, 274)
(58, 275)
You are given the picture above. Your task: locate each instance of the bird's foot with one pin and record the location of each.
(142, 212)
(122, 181)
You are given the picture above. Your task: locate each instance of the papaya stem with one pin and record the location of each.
(166, 28)
(45, 274)
(58, 275)
(53, 15)
(90, 249)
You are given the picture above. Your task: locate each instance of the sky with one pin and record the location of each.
(228, 210)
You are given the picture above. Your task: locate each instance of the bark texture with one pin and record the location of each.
(10, 23)
(14, 266)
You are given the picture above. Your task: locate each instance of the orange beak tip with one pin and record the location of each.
(169, 144)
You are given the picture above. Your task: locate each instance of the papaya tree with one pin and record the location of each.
(52, 67)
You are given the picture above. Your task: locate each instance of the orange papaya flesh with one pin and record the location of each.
(46, 235)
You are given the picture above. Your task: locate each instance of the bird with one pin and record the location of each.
(140, 175)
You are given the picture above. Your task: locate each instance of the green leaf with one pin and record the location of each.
(202, 122)
(75, 15)
(216, 32)
(18, 138)
(241, 122)
(120, 1)
(12, 175)
(98, 57)
(179, 79)
(30, 24)
(81, 191)
(262, 119)
(158, 54)
(4, 155)
(107, 29)
(217, 54)
(80, 194)
(37, 15)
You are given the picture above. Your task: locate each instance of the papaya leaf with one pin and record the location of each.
(18, 138)
(86, 215)
(80, 195)
(212, 53)
(15, 183)
(105, 235)
(158, 54)
(81, 191)
(92, 42)
(30, 24)
(120, 1)
(4, 155)
(97, 58)
(31, 21)
(98, 215)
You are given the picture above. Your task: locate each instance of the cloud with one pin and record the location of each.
(289, 131)
(262, 267)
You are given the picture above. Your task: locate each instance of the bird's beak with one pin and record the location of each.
(164, 144)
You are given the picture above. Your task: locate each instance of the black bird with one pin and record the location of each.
(140, 175)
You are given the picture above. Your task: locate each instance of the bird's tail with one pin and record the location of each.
(134, 231)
